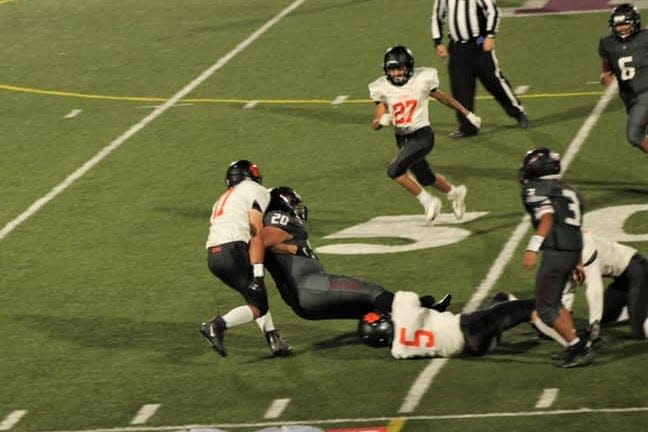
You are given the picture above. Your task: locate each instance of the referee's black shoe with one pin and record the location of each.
(523, 121)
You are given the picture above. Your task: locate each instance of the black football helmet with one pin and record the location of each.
(240, 170)
(399, 57)
(286, 199)
(625, 14)
(376, 329)
(538, 163)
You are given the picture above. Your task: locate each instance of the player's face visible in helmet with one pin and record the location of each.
(624, 30)
(625, 21)
(397, 74)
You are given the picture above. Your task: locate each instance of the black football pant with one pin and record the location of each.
(483, 327)
(629, 289)
(467, 63)
(230, 262)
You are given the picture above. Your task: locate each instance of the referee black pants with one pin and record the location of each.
(468, 61)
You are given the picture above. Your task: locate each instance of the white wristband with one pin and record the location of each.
(386, 119)
(535, 243)
(257, 270)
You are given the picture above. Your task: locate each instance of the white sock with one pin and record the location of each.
(425, 198)
(265, 323)
(451, 193)
(549, 331)
(573, 341)
(237, 316)
(624, 315)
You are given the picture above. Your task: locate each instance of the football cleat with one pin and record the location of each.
(499, 297)
(213, 331)
(277, 345)
(459, 201)
(443, 304)
(432, 211)
(578, 355)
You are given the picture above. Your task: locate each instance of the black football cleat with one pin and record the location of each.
(500, 297)
(578, 355)
(277, 345)
(443, 304)
(461, 135)
(213, 331)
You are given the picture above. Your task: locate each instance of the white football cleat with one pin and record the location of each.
(432, 211)
(459, 201)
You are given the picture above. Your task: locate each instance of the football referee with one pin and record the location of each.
(472, 26)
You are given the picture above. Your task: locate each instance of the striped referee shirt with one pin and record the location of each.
(467, 19)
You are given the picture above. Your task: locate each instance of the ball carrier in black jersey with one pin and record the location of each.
(304, 285)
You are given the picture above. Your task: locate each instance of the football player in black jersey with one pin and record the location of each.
(624, 54)
(303, 283)
(556, 214)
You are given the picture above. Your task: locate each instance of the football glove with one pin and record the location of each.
(257, 285)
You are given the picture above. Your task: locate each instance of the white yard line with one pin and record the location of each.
(422, 383)
(251, 104)
(104, 152)
(339, 100)
(11, 419)
(73, 113)
(276, 408)
(516, 414)
(520, 90)
(547, 398)
(145, 413)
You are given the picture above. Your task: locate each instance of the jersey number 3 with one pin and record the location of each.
(574, 208)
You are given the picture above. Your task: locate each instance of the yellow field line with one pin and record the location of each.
(396, 425)
(5, 1)
(32, 90)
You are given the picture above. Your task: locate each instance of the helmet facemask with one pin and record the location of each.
(625, 21)
(398, 65)
(539, 163)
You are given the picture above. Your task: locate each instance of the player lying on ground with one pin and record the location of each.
(303, 283)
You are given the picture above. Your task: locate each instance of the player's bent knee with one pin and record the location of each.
(394, 171)
(635, 139)
(427, 180)
(547, 314)
(258, 300)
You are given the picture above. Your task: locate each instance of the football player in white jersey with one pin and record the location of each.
(629, 289)
(235, 254)
(401, 98)
(414, 330)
